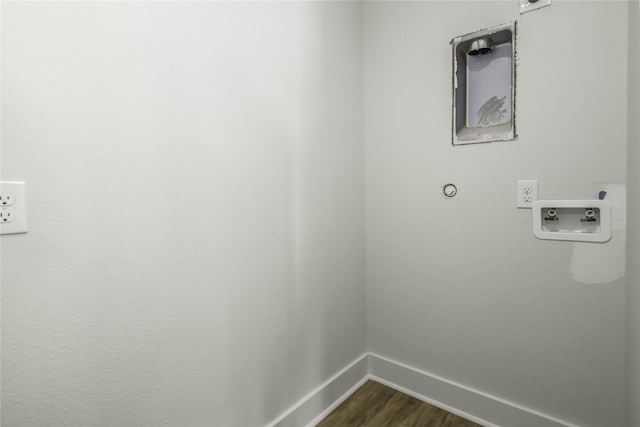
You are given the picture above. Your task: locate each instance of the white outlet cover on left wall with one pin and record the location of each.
(13, 207)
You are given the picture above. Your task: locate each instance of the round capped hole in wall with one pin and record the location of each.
(449, 190)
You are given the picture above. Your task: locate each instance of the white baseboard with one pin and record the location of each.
(316, 405)
(433, 402)
(337, 403)
(458, 399)
(474, 405)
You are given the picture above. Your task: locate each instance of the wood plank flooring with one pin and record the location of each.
(376, 405)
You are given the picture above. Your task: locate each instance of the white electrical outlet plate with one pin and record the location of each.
(13, 207)
(528, 6)
(527, 193)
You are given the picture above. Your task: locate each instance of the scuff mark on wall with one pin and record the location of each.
(604, 262)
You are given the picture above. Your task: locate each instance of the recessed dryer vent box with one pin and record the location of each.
(576, 220)
(484, 85)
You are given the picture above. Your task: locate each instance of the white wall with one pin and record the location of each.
(633, 246)
(196, 244)
(195, 180)
(461, 288)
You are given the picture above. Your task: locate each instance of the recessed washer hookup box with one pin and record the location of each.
(574, 220)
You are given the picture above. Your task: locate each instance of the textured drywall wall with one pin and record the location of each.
(195, 183)
(461, 288)
(633, 245)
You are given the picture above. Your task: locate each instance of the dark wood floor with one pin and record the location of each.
(376, 405)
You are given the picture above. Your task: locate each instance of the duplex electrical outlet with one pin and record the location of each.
(13, 207)
(527, 193)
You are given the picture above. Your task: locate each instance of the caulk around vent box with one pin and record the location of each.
(484, 85)
(575, 220)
